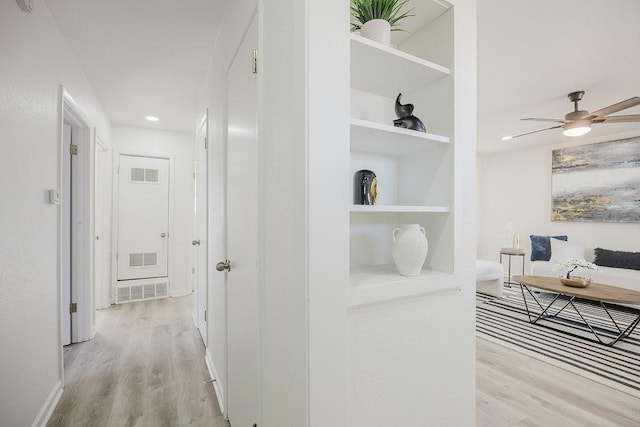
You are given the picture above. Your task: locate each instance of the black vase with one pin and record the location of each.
(365, 187)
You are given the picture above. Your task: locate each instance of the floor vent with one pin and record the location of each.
(137, 291)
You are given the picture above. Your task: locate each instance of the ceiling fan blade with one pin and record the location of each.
(618, 119)
(631, 102)
(544, 120)
(535, 131)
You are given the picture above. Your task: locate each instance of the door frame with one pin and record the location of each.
(83, 328)
(116, 206)
(201, 232)
(103, 212)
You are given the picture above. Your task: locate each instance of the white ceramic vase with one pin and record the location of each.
(377, 30)
(410, 247)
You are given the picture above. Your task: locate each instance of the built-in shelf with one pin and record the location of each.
(399, 209)
(380, 283)
(387, 71)
(381, 138)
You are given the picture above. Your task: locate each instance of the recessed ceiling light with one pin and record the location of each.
(152, 118)
(506, 138)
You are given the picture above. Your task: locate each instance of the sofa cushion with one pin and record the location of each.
(562, 251)
(541, 246)
(617, 259)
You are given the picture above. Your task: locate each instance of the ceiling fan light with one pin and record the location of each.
(577, 128)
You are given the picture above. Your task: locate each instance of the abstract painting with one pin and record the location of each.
(597, 182)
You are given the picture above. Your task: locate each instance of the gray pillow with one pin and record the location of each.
(617, 259)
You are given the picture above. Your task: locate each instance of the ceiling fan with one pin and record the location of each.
(578, 122)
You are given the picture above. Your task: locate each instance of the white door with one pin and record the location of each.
(242, 238)
(143, 217)
(65, 256)
(199, 242)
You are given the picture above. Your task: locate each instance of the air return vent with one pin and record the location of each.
(137, 174)
(149, 259)
(139, 290)
(144, 175)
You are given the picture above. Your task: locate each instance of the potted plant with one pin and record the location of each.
(377, 18)
(571, 265)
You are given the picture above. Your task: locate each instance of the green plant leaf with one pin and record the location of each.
(389, 10)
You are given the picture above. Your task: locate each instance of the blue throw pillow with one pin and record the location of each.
(541, 247)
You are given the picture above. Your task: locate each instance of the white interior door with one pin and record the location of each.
(242, 238)
(65, 255)
(143, 217)
(199, 242)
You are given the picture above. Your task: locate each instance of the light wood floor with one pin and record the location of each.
(518, 390)
(145, 367)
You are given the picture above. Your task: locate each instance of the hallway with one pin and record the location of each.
(145, 367)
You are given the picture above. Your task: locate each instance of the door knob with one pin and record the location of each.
(225, 265)
(163, 234)
(195, 242)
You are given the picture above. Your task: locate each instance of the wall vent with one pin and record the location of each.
(136, 291)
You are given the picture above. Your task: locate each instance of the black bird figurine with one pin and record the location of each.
(406, 119)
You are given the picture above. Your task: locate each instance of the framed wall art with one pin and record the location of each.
(597, 182)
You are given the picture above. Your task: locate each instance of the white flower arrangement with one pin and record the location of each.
(574, 263)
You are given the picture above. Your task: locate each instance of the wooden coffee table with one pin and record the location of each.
(603, 294)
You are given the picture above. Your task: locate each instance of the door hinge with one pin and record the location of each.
(254, 63)
(193, 270)
(73, 307)
(73, 149)
(205, 315)
(206, 143)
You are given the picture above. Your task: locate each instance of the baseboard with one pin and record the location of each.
(49, 405)
(217, 387)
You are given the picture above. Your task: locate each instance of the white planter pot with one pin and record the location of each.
(377, 30)
(410, 247)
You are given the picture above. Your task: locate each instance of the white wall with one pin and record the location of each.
(515, 185)
(138, 140)
(35, 60)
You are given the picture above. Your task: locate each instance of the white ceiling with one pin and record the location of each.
(150, 57)
(143, 57)
(532, 54)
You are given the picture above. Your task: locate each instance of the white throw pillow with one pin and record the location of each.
(562, 251)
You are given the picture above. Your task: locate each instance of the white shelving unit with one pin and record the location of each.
(385, 71)
(379, 73)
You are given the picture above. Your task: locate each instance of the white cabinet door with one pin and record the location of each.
(242, 238)
(143, 217)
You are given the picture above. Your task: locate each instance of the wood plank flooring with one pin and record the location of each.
(145, 367)
(517, 390)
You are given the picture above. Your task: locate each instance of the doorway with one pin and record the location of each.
(199, 271)
(76, 222)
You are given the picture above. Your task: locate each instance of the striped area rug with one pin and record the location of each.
(569, 345)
